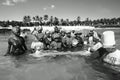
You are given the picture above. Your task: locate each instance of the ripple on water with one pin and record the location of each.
(58, 68)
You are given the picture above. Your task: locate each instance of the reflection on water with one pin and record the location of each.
(57, 68)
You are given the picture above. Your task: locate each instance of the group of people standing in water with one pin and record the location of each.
(100, 46)
(59, 39)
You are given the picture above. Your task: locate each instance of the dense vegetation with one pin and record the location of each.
(50, 21)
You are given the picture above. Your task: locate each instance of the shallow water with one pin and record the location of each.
(59, 68)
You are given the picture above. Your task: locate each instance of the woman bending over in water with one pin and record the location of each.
(16, 43)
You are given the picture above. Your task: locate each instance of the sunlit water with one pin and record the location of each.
(57, 68)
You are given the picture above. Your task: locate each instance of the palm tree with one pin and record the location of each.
(29, 19)
(56, 21)
(86, 21)
(67, 22)
(51, 21)
(45, 19)
(78, 20)
(61, 22)
(118, 21)
(34, 20)
(75, 23)
(26, 20)
(41, 20)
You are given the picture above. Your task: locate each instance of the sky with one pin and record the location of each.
(93, 9)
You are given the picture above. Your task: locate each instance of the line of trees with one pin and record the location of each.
(50, 21)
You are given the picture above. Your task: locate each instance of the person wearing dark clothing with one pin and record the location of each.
(16, 43)
(47, 40)
(67, 41)
(80, 40)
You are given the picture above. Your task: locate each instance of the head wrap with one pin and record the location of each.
(15, 29)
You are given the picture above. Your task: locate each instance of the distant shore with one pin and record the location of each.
(51, 28)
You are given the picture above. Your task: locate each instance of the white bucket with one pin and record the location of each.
(108, 39)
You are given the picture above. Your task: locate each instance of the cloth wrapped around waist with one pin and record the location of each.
(74, 42)
(56, 35)
(113, 58)
(37, 45)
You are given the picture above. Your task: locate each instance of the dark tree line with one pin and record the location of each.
(50, 21)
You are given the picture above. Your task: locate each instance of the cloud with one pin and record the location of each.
(8, 3)
(12, 2)
(44, 8)
(49, 7)
(17, 1)
(52, 6)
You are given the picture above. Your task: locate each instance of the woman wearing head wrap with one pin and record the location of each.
(56, 45)
(16, 43)
(57, 29)
(79, 41)
(47, 40)
(37, 32)
(67, 41)
(36, 47)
